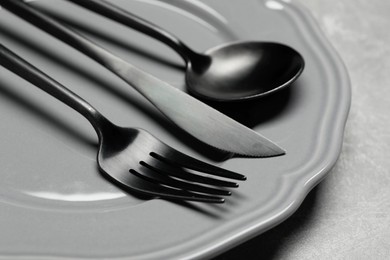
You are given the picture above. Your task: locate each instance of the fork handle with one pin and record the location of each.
(22, 68)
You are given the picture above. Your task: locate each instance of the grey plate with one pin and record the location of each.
(54, 202)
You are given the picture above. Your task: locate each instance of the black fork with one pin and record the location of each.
(132, 157)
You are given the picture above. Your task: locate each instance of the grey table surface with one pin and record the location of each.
(347, 216)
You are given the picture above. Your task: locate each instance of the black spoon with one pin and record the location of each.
(230, 72)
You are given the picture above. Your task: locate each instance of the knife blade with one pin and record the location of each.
(193, 116)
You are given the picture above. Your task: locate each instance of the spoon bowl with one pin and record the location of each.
(243, 70)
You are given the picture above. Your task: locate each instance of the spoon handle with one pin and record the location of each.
(27, 71)
(131, 20)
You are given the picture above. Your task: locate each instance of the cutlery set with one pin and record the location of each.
(136, 160)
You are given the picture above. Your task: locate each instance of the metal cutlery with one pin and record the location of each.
(131, 157)
(193, 116)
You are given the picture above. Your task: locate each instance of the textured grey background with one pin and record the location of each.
(347, 216)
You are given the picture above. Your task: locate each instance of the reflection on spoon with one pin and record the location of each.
(231, 72)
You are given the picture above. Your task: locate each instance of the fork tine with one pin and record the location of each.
(179, 172)
(153, 174)
(143, 186)
(189, 162)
